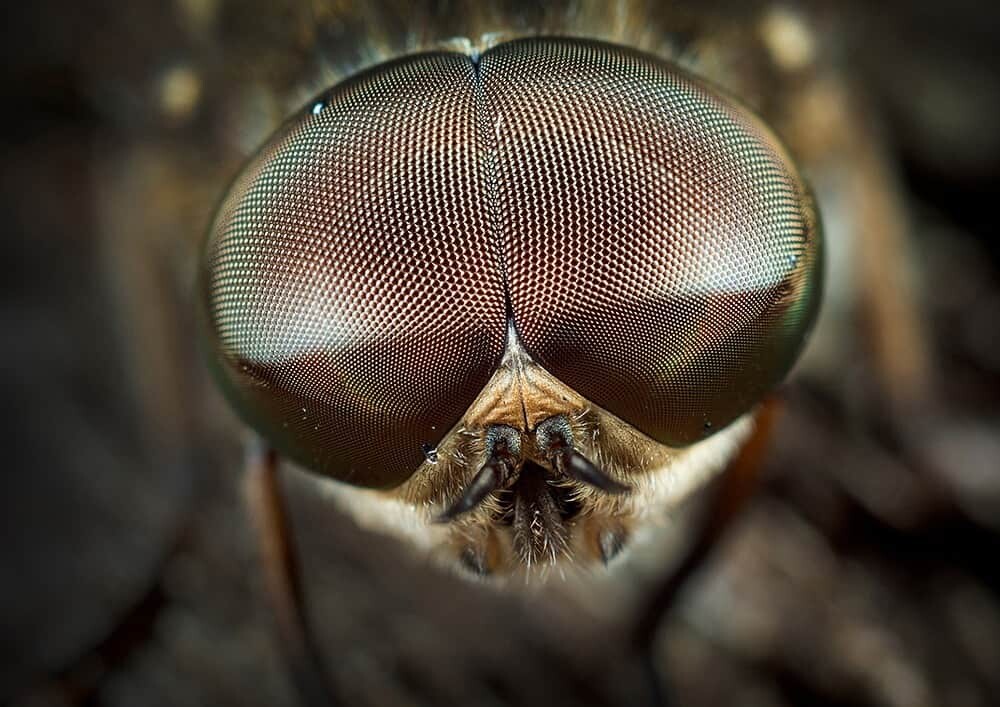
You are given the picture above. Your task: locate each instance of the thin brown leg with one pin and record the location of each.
(267, 508)
(834, 131)
(890, 311)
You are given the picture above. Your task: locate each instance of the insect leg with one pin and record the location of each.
(266, 505)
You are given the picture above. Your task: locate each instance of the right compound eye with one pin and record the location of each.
(662, 252)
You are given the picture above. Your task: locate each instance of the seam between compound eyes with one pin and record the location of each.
(488, 124)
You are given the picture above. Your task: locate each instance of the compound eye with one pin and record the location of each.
(647, 238)
(662, 252)
(351, 295)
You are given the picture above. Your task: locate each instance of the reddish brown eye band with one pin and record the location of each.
(647, 237)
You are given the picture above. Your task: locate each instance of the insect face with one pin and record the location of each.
(507, 288)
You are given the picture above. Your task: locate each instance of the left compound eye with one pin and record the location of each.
(353, 302)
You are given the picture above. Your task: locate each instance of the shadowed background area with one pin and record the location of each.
(862, 572)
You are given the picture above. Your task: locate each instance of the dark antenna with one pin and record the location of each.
(555, 436)
(484, 483)
(504, 446)
(571, 463)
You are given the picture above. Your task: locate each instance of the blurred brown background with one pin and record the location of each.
(864, 571)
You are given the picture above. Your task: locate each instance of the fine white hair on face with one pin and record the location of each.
(663, 489)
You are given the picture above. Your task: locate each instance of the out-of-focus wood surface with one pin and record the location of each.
(862, 572)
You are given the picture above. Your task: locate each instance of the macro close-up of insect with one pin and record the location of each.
(495, 353)
(551, 270)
